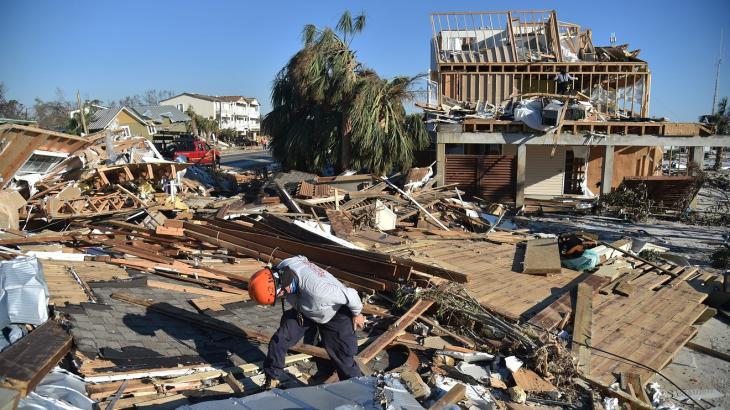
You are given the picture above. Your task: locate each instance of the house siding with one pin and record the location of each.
(135, 127)
(201, 107)
(544, 175)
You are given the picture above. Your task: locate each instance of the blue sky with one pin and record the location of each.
(108, 50)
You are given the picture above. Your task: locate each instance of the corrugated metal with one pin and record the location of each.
(491, 177)
(544, 175)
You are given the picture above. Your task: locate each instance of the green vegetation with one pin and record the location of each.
(329, 109)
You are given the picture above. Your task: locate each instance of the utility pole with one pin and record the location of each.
(81, 113)
(717, 75)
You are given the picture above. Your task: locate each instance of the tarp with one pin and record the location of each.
(530, 113)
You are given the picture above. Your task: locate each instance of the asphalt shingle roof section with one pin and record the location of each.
(115, 327)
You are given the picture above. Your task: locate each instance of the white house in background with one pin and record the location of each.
(240, 113)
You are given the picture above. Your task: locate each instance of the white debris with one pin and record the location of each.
(658, 400)
(513, 363)
(479, 373)
(467, 357)
(478, 396)
(610, 403)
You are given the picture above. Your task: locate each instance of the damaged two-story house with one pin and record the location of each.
(506, 130)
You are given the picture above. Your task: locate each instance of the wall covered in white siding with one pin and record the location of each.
(544, 175)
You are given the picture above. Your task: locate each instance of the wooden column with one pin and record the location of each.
(440, 164)
(607, 170)
(696, 156)
(520, 180)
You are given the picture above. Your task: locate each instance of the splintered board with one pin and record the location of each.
(542, 257)
(25, 363)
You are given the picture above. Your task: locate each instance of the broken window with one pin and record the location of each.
(40, 162)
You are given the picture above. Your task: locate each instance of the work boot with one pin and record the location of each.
(270, 384)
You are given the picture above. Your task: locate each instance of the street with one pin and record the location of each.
(247, 160)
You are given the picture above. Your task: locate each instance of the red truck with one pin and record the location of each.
(197, 152)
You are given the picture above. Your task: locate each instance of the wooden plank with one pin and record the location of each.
(453, 396)
(216, 303)
(619, 394)
(582, 327)
(555, 314)
(637, 385)
(24, 364)
(166, 230)
(399, 326)
(709, 351)
(542, 257)
(531, 382)
(218, 325)
(188, 289)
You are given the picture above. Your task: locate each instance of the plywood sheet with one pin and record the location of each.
(542, 257)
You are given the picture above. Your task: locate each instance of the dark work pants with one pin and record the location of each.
(337, 335)
(563, 87)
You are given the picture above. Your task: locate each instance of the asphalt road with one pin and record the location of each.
(247, 160)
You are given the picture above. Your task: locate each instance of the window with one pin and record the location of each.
(185, 145)
(180, 107)
(151, 129)
(40, 162)
(127, 132)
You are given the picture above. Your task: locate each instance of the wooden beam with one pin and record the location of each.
(399, 326)
(708, 351)
(619, 394)
(453, 396)
(582, 327)
(637, 384)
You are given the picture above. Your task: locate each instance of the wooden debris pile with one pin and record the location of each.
(458, 297)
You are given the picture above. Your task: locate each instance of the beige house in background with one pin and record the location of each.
(236, 112)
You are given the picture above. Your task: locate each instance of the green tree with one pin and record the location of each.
(721, 120)
(74, 124)
(200, 126)
(329, 109)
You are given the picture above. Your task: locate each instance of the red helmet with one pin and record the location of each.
(262, 287)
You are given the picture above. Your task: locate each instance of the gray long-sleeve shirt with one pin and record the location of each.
(563, 78)
(318, 294)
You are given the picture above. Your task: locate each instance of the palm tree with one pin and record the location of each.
(328, 109)
(721, 120)
(199, 125)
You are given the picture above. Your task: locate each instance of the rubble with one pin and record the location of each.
(137, 267)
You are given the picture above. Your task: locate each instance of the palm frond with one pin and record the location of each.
(308, 34)
(344, 25)
(359, 24)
